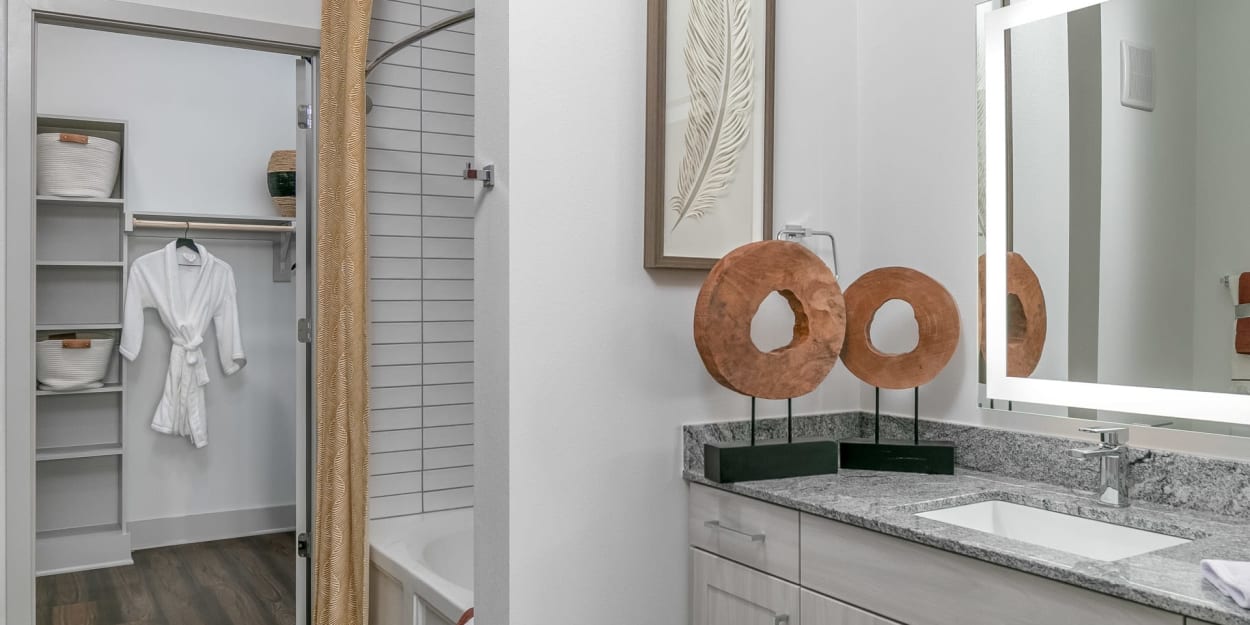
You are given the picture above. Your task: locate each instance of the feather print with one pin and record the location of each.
(720, 69)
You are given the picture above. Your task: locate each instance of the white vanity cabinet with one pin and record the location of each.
(726, 593)
(755, 563)
(821, 610)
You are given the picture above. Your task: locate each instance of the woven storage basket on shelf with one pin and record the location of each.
(281, 179)
(72, 362)
(72, 165)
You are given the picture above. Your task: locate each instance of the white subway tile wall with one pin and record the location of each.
(420, 135)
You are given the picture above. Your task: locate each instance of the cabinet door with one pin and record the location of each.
(821, 610)
(725, 593)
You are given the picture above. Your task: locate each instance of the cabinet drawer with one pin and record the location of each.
(920, 585)
(757, 534)
(820, 610)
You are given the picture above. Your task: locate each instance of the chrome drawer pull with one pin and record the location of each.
(781, 619)
(755, 538)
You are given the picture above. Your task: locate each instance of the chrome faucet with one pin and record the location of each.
(1112, 455)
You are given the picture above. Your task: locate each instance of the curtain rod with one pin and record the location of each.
(418, 36)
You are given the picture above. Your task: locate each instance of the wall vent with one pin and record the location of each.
(1137, 76)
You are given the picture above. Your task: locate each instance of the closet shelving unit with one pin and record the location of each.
(80, 279)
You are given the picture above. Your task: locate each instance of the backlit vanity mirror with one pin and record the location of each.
(1116, 208)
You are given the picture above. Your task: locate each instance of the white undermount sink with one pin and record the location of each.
(1083, 537)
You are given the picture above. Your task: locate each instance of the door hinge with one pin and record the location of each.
(301, 545)
(304, 116)
(304, 331)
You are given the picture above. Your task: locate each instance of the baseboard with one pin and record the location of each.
(198, 528)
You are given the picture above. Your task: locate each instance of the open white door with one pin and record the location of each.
(305, 307)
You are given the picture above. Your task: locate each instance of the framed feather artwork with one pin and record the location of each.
(709, 169)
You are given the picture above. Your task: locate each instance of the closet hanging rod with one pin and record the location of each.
(208, 225)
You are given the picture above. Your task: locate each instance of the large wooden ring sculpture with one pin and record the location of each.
(1026, 316)
(937, 318)
(729, 300)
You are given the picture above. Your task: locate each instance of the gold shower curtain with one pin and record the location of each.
(340, 545)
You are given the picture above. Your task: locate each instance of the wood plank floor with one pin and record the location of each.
(242, 581)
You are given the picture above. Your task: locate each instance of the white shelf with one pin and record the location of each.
(265, 220)
(79, 455)
(70, 327)
(78, 264)
(82, 451)
(107, 388)
(81, 549)
(102, 202)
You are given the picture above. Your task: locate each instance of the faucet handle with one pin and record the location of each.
(1113, 436)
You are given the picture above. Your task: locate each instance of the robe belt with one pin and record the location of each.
(191, 356)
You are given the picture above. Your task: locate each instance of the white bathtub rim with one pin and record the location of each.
(393, 555)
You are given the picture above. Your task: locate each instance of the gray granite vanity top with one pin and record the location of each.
(1167, 579)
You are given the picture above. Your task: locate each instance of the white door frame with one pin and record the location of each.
(18, 24)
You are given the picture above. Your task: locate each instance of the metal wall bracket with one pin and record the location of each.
(1240, 311)
(796, 233)
(304, 116)
(485, 174)
(304, 331)
(284, 257)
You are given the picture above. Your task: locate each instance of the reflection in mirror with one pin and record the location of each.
(1128, 177)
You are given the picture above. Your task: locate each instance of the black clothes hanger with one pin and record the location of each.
(184, 241)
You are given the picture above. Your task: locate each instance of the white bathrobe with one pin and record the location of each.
(188, 297)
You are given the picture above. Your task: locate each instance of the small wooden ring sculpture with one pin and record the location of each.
(1026, 316)
(729, 300)
(937, 317)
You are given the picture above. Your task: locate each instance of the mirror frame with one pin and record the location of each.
(1194, 405)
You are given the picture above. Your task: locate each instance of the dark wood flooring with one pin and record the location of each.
(243, 581)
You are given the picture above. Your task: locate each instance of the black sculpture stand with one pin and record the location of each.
(725, 463)
(900, 456)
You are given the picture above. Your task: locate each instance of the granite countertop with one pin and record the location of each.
(1167, 579)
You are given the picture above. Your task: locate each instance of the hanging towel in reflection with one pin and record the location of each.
(1232, 578)
(188, 297)
(1241, 295)
(1239, 289)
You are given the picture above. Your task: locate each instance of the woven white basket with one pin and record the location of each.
(69, 168)
(63, 368)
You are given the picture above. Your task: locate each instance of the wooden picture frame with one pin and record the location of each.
(701, 250)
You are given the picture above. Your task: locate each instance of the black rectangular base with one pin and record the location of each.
(768, 460)
(900, 456)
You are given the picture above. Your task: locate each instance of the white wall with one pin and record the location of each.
(4, 30)
(213, 114)
(1040, 141)
(1222, 184)
(1148, 201)
(602, 369)
(491, 351)
(306, 13)
(202, 122)
(918, 168)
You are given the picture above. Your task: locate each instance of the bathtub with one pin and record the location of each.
(421, 568)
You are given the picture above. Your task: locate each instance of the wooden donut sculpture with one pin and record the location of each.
(1026, 316)
(937, 318)
(729, 300)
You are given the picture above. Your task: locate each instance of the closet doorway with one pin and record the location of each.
(174, 489)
